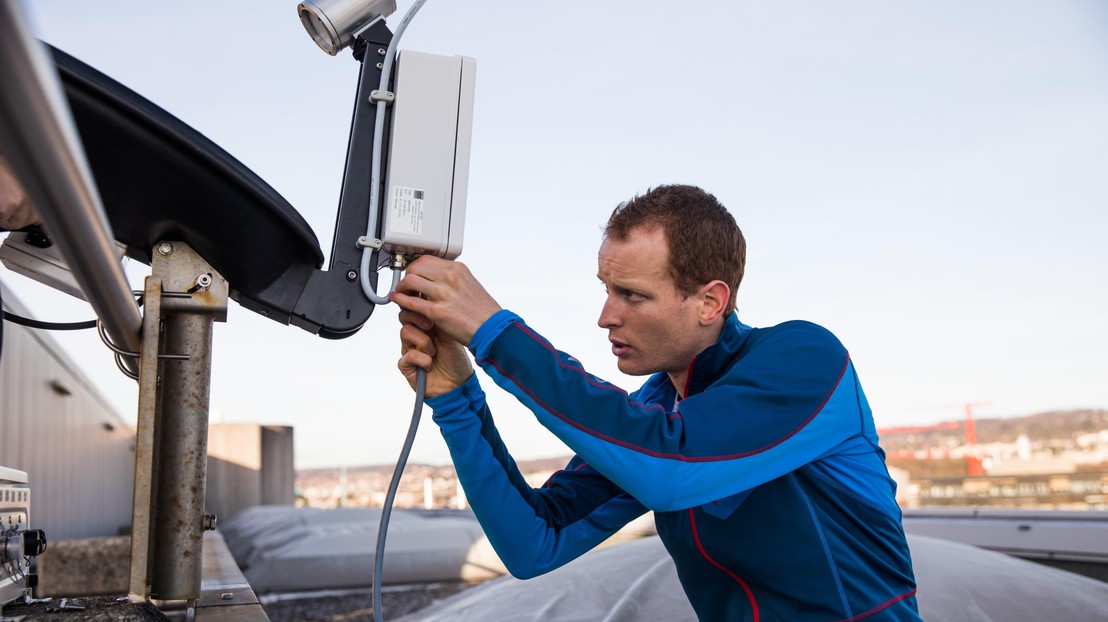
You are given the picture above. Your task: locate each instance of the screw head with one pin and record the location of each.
(380, 65)
(165, 248)
(380, 51)
(351, 276)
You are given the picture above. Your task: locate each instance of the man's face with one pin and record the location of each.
(652, 327)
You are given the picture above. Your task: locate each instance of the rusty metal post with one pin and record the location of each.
(183, 451)
(193, 296)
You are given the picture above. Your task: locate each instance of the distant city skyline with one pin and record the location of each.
(926, 181)
(1057, 461)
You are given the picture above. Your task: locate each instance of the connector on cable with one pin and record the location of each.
(399, 261)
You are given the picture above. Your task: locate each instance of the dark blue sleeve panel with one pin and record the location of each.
(788, 400)
(532, 530)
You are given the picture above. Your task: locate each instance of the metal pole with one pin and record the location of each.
(182, 459)
(40, 141)
(171, 464)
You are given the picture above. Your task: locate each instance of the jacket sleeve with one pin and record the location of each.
(532, 530)
(785, 403)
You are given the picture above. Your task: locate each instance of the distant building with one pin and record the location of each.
(1077, 490)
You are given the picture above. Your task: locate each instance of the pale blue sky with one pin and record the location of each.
(924, 179)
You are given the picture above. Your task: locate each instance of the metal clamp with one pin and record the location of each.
(120, 353)
(382, 96)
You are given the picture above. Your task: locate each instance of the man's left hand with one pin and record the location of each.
(422, 347)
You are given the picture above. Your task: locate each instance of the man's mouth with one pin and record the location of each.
(619, 348)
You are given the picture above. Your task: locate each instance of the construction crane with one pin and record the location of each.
(974, 468)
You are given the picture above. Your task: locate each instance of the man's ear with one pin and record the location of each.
(714, 298)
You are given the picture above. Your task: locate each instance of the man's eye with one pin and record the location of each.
(630, 295)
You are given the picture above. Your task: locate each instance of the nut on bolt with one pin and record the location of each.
(202, 283)
(351, 276)
(208, 522)
(165, 248)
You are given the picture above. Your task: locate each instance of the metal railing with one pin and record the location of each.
(40, 141)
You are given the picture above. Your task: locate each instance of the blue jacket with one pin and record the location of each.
(768, 486)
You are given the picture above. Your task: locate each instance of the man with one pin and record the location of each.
(754, 447)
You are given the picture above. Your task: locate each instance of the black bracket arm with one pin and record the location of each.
(331, 303)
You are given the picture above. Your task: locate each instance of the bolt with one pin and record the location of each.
(351, 276)
(165, 248)
(227, 595)
(380, 65)
(380, 51)
(204, 280)
(209, 522)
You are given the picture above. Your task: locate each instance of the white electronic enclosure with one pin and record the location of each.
(428, 159)
(15, 518)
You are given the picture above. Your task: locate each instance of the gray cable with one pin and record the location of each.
(375, 169)
(386, 510)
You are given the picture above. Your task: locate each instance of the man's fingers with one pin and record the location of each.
(414, 284)
(412, 338)
(428, 267)
(415, 319)
(409, 302)
(414, 359)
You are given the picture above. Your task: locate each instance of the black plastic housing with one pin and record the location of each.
(160, 179)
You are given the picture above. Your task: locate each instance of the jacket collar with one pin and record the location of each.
(716, 359)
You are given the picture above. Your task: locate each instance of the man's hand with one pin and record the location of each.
(16, 211)
(424, 346)
(447, 294)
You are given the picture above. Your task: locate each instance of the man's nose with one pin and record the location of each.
(609, 317)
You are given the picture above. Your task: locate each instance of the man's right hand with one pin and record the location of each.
(422, 346)
(446, 293)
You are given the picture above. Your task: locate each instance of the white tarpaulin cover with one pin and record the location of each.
(285, 549)
(637, 581)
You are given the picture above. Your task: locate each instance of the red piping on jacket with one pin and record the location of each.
(884, 605)
(688, 379)
(696, 538)
(644, 450)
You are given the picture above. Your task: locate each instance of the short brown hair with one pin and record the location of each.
(705, 243)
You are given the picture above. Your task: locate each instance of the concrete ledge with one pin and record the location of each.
(224, 593)
(100, 567)
(1030, 534)
(84, 567)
